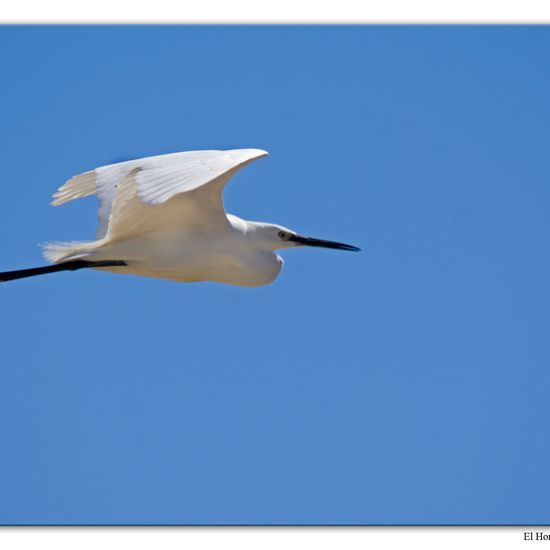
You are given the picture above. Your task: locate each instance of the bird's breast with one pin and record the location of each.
(245, 269)
(192, 260)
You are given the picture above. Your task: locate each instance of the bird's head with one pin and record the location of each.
(276, 237)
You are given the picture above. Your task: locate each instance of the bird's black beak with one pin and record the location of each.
(310, 241)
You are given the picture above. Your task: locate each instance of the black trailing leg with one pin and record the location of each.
(72, 265)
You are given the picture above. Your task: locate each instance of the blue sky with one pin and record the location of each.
(404, 384)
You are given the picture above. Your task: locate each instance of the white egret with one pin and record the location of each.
(163, 217)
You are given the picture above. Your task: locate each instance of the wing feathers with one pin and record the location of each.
(187, 171)
(77, 187)
(153, 181)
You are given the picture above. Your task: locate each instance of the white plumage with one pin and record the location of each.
(163, 217)
(127, 186)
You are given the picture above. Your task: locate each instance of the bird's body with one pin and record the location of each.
(164, 217)
(225, 255)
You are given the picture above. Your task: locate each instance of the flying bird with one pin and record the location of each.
(163, 217)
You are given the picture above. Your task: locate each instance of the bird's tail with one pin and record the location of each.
(63, 251)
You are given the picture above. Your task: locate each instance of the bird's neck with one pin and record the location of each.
(253, 234)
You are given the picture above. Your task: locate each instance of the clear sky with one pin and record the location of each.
(407, 383)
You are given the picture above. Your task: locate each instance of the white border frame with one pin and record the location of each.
(275, 12)
(281, 11)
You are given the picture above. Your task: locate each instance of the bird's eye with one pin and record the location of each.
(283, 235)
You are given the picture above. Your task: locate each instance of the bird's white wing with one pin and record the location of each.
(189, 185)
